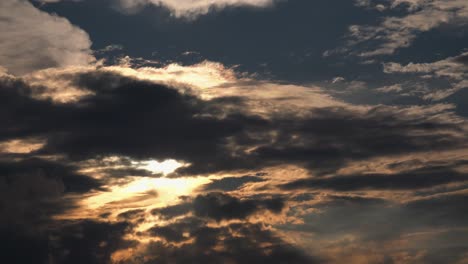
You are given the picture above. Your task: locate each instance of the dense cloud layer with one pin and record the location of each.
(237, 243)
(124, 114)
(122, 162)
(141, 119)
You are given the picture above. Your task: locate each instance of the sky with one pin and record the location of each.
(233, 131)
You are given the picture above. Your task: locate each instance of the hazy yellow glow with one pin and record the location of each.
(138, 192)
(168, 191)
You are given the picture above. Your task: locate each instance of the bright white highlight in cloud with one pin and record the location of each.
(192, 8)
(165, 167)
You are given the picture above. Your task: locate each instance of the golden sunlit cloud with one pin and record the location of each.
(21, 145)
(203, 75)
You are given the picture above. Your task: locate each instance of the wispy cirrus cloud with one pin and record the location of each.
(454, 69)
(396, 32)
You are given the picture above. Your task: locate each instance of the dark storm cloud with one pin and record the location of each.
(140, 119)
(32, 191)
(87, 241)
(231, 183)
(70, 242)
(242, 242)
(235, 243)
(126, 116)
(22, 115)
(419, 208)
(406, 180)
(73, 182)
(144, 120)
(220, 206)
(23, 249)
(178, 231)
(334, 136)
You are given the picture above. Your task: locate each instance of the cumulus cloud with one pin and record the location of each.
(33, 39)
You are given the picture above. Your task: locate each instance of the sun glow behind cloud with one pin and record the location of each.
(164, 190)
(165, 167)
(138, 192)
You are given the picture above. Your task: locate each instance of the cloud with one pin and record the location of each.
(34, 190)
(233, 243)
(377, 229)
(219, 206)
(231, 183)
(87, 241)
(390, 88)
(396, 32)
(192, 9)
(231, 129)
(79, 241)
(172, 211)
(15, 244)
(213, 228)
(33, 39)
(406, 180)
(324, 160)
(440, 211)
(454, 69)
